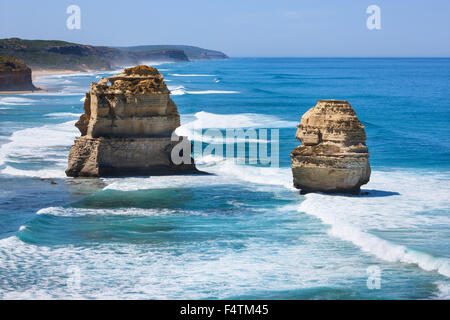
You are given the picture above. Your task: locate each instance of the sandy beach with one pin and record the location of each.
(53, 72)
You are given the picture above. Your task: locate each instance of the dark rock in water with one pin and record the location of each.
(334, 156)
(15, 75)
(127, 128)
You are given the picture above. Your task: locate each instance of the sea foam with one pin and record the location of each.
(80, 212)
(46, 143)
(397, 203)
(18, 101)
(193, 124)
(181, 90)
(396, 199)
(62, 114)
(207, 120)
(212, 92)
(191, 75)
(134, 270)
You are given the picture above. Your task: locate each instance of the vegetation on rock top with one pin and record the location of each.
(11, 64)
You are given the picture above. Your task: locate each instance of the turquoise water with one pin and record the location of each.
(243, 232)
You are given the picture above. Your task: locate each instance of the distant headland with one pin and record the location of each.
(62, 55)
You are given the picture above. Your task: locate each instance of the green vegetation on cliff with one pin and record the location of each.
(43, 54)
(193, 53)
(11, 64)
(55, 54)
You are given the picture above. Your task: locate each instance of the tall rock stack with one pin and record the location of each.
(15, 75)
(333, 156)
(126, 128)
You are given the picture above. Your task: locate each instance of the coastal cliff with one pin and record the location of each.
(127, 127)
(193, 53)
(15, 75)
(62, 55)
(333, 156)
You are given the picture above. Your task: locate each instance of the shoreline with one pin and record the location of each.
(57, 72)
(35, 74)
(40, 90)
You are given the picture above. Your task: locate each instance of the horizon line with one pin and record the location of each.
(248, 56)
(342, 57)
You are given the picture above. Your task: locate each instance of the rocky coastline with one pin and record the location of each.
(63, 55)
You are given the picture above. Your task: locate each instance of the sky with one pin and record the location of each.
(243, 28)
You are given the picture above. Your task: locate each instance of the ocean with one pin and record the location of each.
(244, 232)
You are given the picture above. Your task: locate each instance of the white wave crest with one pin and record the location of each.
(191, 75)
(43, 173)
(62, 114)
(444, 290)
(11, 101)
(351, 218)
(46, 143)
(212, 92)
(136, 270)
(254, 174)
(162, 182)
(176, 90)
(181, 90)
(78, 212)
(156, 63)
(207, 120)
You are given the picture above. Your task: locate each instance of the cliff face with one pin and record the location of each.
(54, 54)
(15, 75)
(334, 156)
(126, 128)
(193, 53)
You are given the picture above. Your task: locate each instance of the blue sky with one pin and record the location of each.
(296, 28)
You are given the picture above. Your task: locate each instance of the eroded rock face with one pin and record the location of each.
(127, 127)
(15, 75)
(333, 156)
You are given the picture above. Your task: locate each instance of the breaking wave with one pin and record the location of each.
(49, 143)
(62, 114)
(357, 218)
(191, 75)
(16, 101)
(181, 90)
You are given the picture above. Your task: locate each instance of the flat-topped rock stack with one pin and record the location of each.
(126, 128)
(15, 75)
(333, 156)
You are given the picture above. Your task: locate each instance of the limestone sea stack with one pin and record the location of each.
(15, 75)
(333, 156)
(126, 128)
